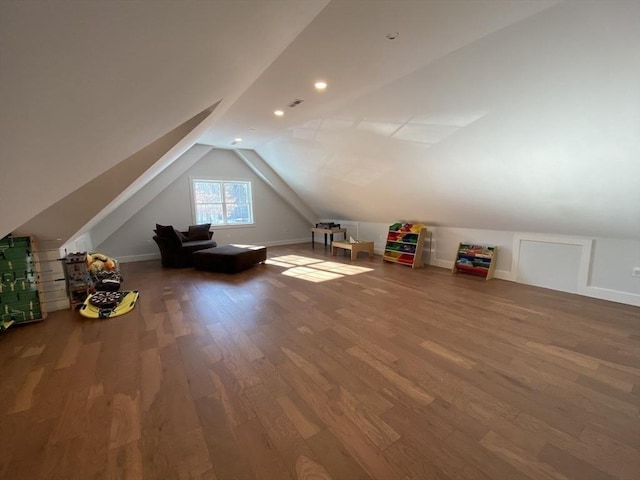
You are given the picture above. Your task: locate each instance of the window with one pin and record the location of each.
(222, 203)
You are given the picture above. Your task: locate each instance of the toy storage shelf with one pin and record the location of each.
(79, 283)
(20, 283)
(405, 242)
(476, 260)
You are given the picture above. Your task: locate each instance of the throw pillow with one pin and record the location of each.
(181, 236)
(199, 232)
(169, 233)
(164, 231)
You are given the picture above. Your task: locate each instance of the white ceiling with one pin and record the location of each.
(84, 85)
(347, 45)
(498, 114)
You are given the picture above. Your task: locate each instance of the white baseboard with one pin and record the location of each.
(156, 256)
(441, 263)
(291, 241)
(593, 292)
(589, 291)
(138, 258)
(613, 295)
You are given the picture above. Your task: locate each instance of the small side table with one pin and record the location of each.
(326, 231)
(359, 246)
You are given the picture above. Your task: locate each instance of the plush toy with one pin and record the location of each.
(98, 262)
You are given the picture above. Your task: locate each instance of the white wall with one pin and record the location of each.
(612, 264)
(104, 227)
(608, 267)
(275, 221)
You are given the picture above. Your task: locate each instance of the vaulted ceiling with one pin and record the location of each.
(495, 114)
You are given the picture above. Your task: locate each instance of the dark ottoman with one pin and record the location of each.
(229, 258)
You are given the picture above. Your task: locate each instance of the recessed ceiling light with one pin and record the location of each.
(320, 85)
(278, 113)
(237, 139)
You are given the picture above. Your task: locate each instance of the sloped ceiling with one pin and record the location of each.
(495, 114)
(516, 116)
(86, 85)
(88, 200)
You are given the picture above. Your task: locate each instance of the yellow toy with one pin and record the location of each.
(99, 262)
(109, 304)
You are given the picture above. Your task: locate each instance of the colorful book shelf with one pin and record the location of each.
(476, 259)
(405, 242)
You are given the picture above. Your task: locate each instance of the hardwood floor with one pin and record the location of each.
(378, 372)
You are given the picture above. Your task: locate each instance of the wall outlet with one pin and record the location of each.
(635, 272)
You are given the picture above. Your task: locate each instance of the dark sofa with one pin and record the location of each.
(176, 246)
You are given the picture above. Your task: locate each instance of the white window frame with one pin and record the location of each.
(224, 203)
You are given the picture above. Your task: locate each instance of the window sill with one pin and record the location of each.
(224, 227)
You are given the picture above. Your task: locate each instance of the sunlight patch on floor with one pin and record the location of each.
(249, 247)
(313, 269)
(341, 268)
(277, 263)
(311, 274)
(296, 259)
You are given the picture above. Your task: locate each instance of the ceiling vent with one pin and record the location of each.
(295, 103)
